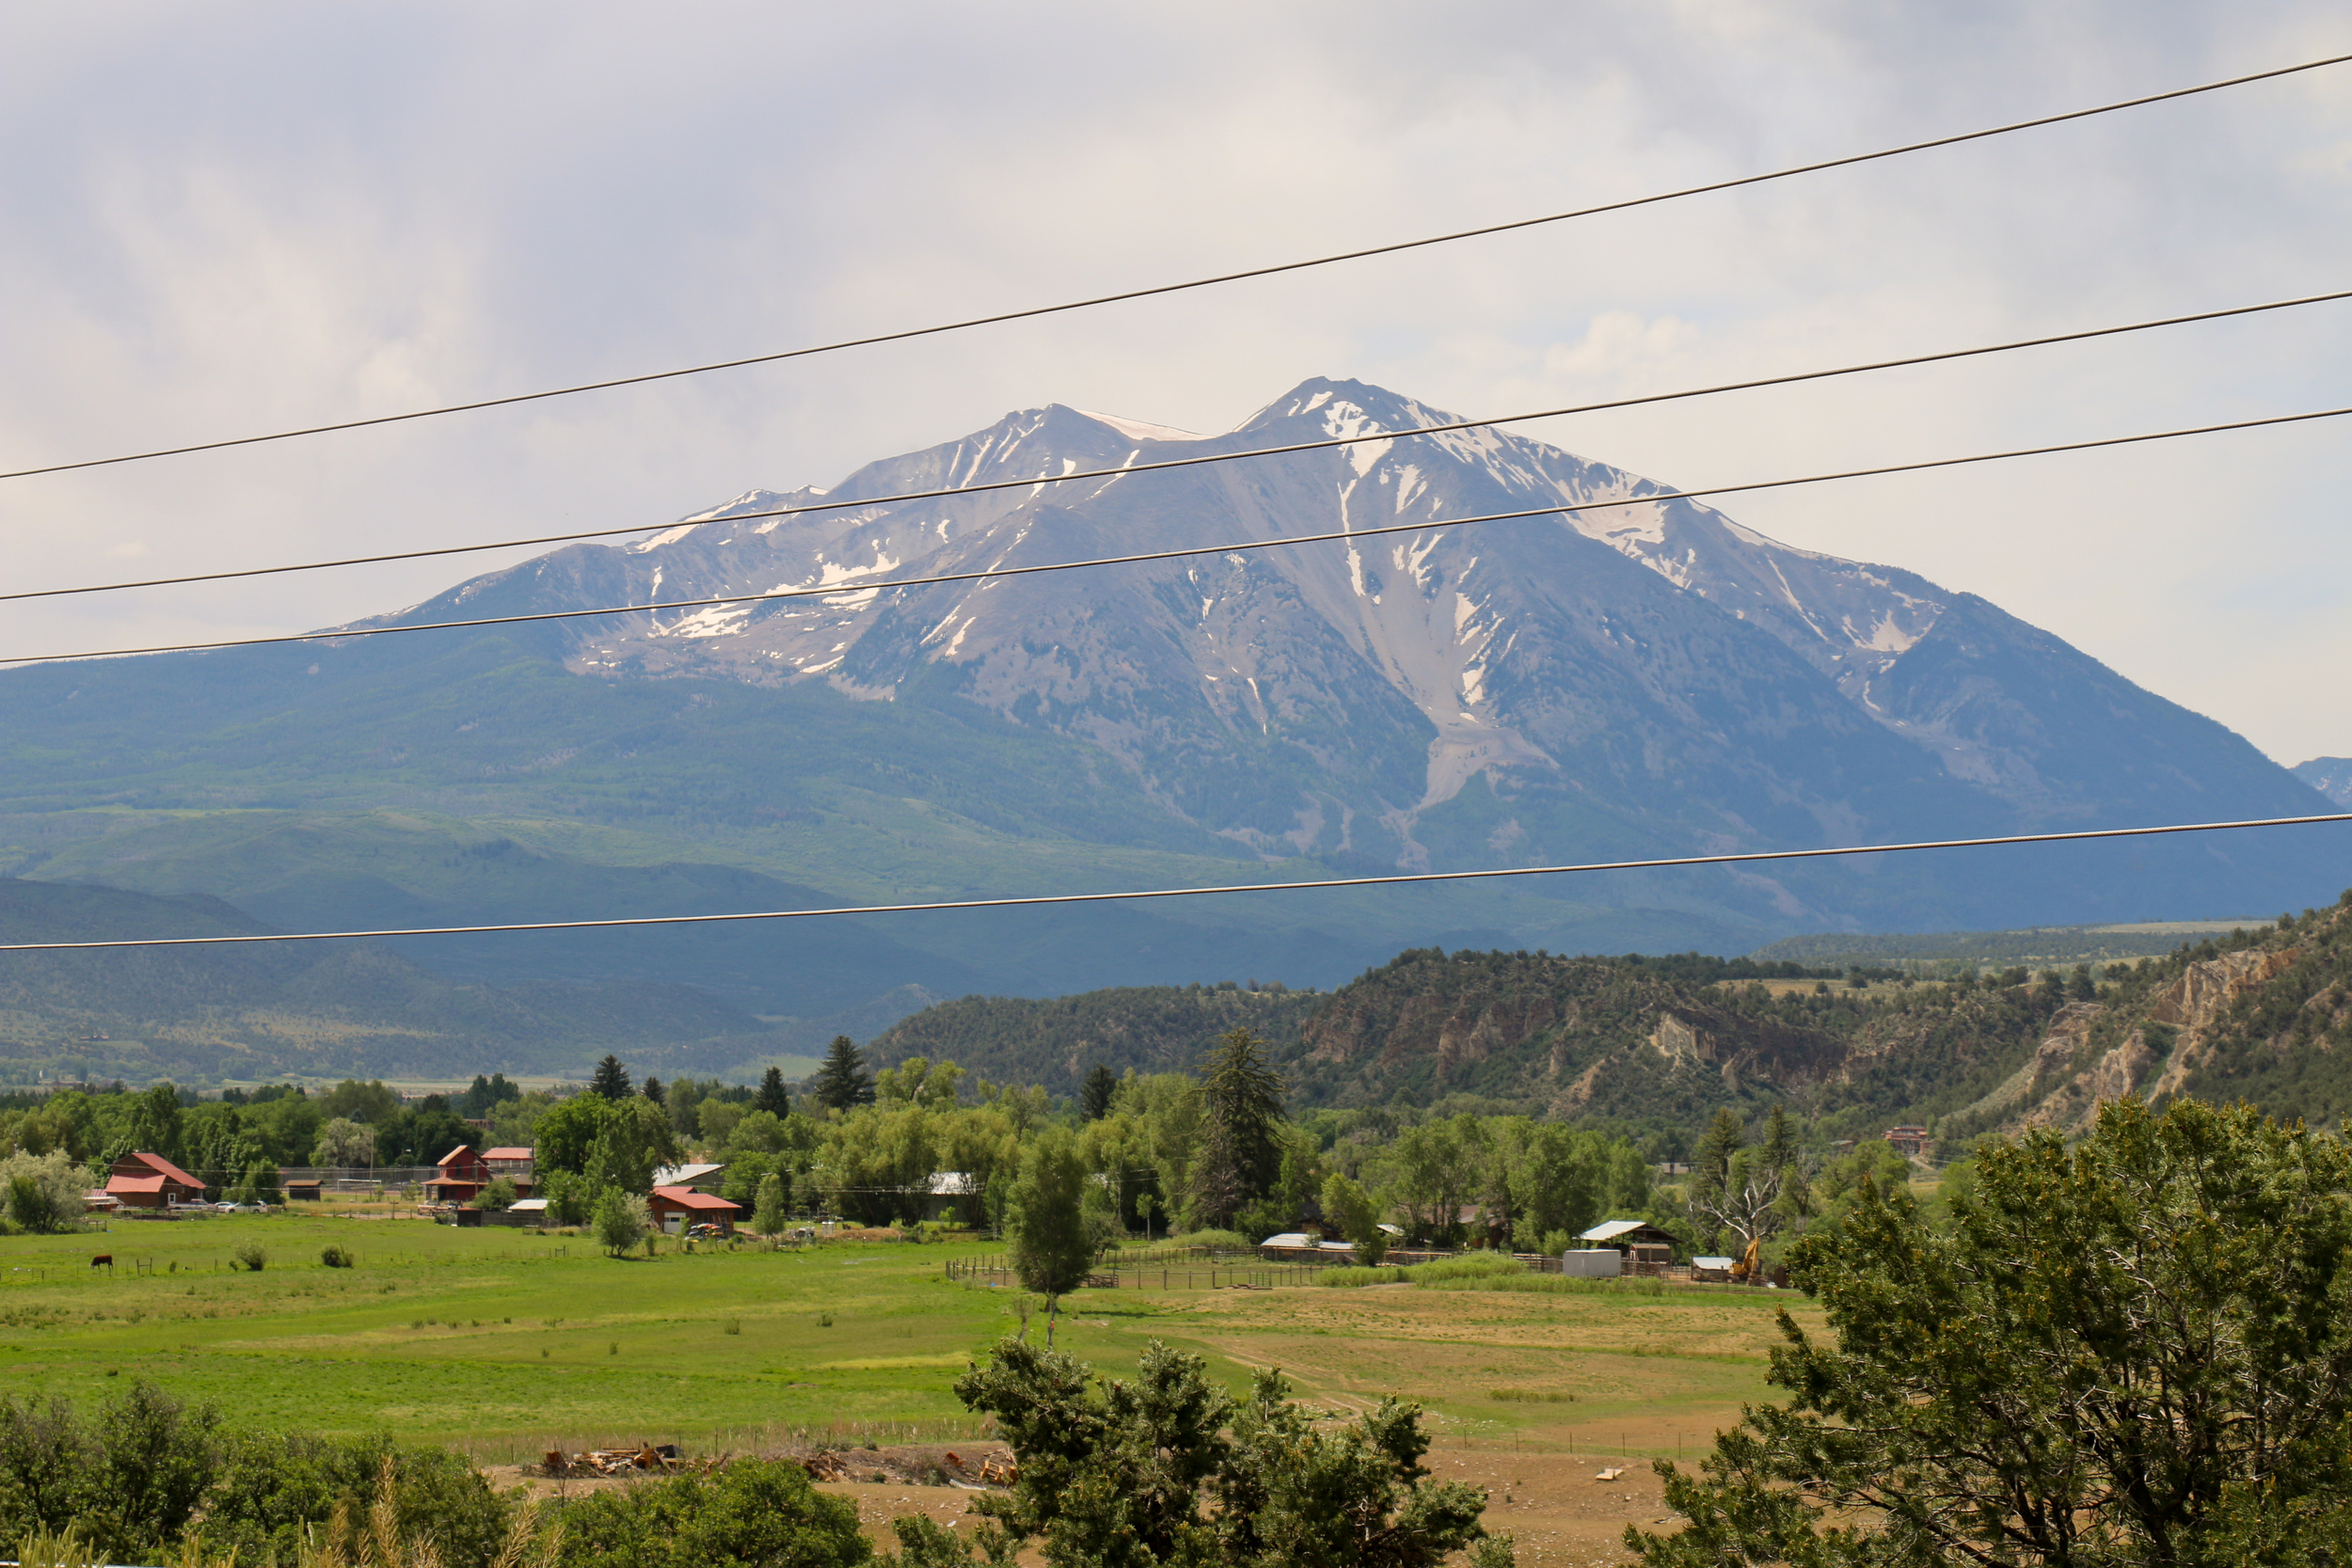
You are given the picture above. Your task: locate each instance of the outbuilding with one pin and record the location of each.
(1646, 1249)
(675, 1208)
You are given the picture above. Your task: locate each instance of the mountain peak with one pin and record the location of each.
(1347, 406)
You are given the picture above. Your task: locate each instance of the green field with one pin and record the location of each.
(506, 1341)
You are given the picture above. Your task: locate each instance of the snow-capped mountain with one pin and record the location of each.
(1647, 675)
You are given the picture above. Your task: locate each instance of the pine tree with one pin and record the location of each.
(653, 1090)
(771, 1096)
(1094, 1096)
(610, 1078)
(843, 1080)
(1244, 1100)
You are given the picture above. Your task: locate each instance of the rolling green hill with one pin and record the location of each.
(201, 1016)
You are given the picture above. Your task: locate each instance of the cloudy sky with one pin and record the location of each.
(235, 217)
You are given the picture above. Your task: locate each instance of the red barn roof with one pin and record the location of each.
(463, 1151)
(135, 1183)
(687, 1198)
(506, 1154)
(162, 1166)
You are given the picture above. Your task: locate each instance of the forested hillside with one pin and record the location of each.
(2264, 1014)
(1052, 1043)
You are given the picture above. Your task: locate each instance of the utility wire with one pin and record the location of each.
(1132, 896)
(979, 573)
(950, 491)
(1033, 312)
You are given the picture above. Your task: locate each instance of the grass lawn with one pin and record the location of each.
(506, 1341)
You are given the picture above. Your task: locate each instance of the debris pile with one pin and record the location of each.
(611, 1462)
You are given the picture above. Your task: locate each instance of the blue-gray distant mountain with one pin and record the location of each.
(2330, 776)
(1644, 679)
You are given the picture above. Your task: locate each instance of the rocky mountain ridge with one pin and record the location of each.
(1645, 679)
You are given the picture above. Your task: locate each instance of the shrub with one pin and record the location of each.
(621, 1218)
(270, 1484)
(336, 1257)
(1352, 1274)
(129, 1479)
(753, 1510)
(1473, 1267)
(248, 1255)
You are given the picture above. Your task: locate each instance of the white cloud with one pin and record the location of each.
(265, 214)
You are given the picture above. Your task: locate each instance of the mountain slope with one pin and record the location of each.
(2330, 776)
(2264, 1014)
(252, 1012)
(1647, 678)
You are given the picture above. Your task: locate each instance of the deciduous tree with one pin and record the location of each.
(1051, 1250)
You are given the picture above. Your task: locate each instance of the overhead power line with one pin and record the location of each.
(1132, 895)
(1158, 289)
(1142, 557)
(1079, 476)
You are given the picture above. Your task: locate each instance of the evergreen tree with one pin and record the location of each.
(843, 1080)
(1243, 1097)
(773, 1097)
(1094, 1096)
(2129, 1350)
(1168, 1468)
(653, 1090)
(610, 1078)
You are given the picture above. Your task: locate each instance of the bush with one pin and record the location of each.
(248, 1255)
(1475, 1266)
(270, 1484)
(1232, 1240)
(621, 1218)
(753, 1511)
(131, 1479)
(336, 1257)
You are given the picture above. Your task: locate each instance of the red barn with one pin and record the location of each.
(150, 1181)
(463, 1175)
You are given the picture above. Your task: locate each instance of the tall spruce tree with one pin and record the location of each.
(610, 1078)
(1243, 1097)
(773, 1097)
(843, 1080)
(1095, 1095)
(653, 1090)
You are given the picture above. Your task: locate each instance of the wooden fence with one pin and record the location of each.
(1205, 1273)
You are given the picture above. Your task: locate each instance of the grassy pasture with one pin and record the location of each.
(506, 1341)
